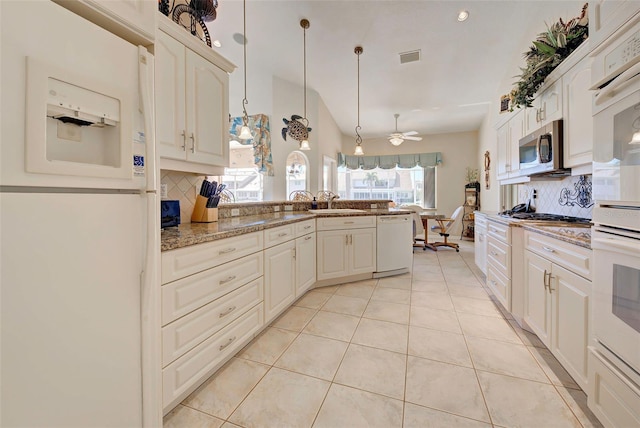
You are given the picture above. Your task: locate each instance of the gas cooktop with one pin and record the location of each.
(544, 217)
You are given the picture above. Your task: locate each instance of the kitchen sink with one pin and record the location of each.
(337, 211)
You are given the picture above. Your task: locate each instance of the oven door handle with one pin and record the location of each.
(622, 80)
(615, 244)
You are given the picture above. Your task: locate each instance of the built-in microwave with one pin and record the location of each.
(541, 151)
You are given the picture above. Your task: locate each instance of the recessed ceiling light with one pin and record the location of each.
(463, 15)
(217, 43)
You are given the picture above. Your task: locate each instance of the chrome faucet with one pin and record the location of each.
(331, 200)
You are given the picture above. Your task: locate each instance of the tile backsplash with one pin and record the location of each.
(181, 186)
(570, 196)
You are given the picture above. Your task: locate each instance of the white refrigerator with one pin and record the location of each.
(79, 233)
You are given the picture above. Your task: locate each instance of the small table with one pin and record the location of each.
(426, 216)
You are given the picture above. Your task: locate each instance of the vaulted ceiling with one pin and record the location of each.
(461, 67)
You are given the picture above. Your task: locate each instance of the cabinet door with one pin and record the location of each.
(305, 263)
(531, 118)
(362, 251)
(550, 103)
(606, 16)
(279, 279)
(516, 132)
(503, 156)
(537, 310)
(207, 100)
(578, 123)
(170, 97)
(138, 14)
(332, 254)
(570, 320)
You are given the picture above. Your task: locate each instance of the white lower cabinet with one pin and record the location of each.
(480, 242)
(280, 277)
(289, 265)
(556, 301)
(499, 262)
(343, 253)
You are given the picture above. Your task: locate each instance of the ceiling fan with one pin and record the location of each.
(398, 138)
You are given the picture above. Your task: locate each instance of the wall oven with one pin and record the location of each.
(614, 354)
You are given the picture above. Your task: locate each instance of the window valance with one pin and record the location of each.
(390, 161)
(259, 126)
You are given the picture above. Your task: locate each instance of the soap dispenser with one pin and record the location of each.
(314, 204)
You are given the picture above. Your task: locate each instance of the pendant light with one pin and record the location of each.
(304, 23)
(245, 132)
(358, 151)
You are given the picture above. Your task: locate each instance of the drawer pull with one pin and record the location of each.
(308, 237)
(493, 253)
(308, 227)
(550, 250)
(281, 234)
(227, 312)
(227, 250)
(348, 222)
(229, 342)
(224, 281)
(493, 283)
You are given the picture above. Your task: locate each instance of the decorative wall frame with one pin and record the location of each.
(487, 167)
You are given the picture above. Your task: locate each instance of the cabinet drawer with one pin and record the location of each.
(480, 220)
(304, 227)
(185, 333)
(572, 257)
(187, 372)
(499, 231)
(613, 397)
(188, 294)
(186, 261)
(500, 254)
(337, 223)
(278, 235)
(500, 285)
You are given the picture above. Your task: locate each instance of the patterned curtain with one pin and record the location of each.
(390, 161)
(259, 126)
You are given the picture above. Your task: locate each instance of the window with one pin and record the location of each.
(401, 185)
(296, 172)
(242, 178)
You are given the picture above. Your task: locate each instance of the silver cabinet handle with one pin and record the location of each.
(308, 227)
(348, 222)
(548, 249)
(224, 281)
(227, 312)
(281, 234)
(346, 237)
(548, 282)
(351, 239)
(308, 237)
(229, 342)
(544, 279)
(227, 250)
(193, 143)
(493, 282)
(493, 253)
(293, 252)
(184, 140)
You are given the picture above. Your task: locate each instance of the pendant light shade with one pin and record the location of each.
(304, 145)
(245, 132)
(358, 150)
(636, 138)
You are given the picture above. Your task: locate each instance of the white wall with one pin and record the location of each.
(459, 151)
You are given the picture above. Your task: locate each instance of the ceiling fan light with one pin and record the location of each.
(245, 133)
(463, 15)
(396, 141)
(304, 145)
(358, 151)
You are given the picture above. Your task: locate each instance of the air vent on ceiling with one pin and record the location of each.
(411, 56)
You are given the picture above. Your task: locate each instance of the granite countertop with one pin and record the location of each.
(197, 233)
(574, 233)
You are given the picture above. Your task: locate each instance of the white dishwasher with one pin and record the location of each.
(394, 244)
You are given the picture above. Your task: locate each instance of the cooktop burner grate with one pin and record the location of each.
(545, 217)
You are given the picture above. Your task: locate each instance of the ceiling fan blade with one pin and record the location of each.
(413, 138)
(410, 133)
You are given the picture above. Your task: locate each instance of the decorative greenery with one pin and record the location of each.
(472, 175)
(547, 52)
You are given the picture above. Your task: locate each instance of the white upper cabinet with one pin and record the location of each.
(192, 106)
(578, 119)
(133, 20)
(508, 139)
(606, 16)
(547, 107)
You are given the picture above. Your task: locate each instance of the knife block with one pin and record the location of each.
(202, 214)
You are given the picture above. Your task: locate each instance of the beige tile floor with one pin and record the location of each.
(426, 349)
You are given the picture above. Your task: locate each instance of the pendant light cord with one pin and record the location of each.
(304, 23)
(358, 51)
(245, 117)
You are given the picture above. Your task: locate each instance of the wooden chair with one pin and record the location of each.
(445, 225)
(324, 195)
(300, 196)
(227, 197)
